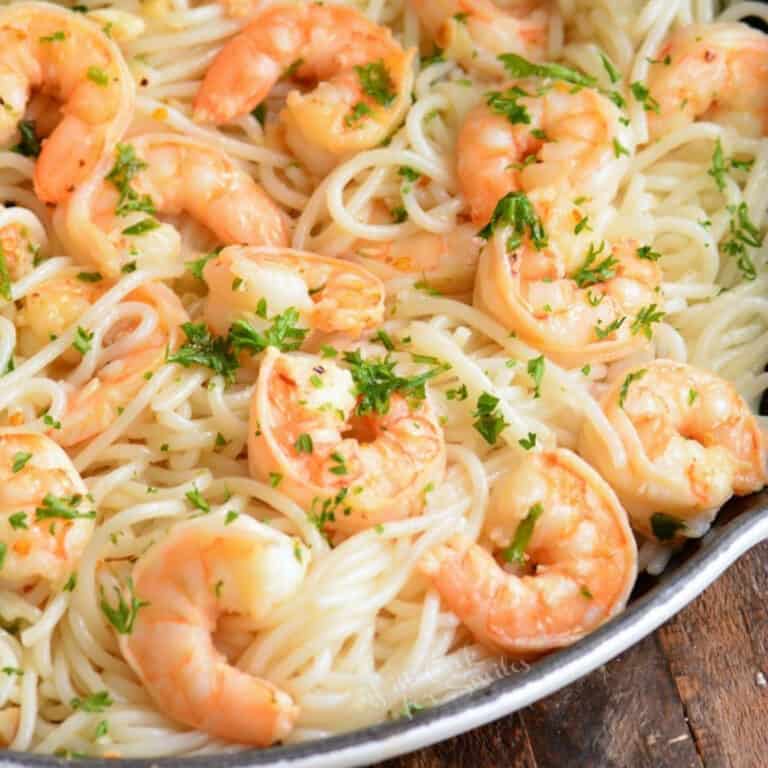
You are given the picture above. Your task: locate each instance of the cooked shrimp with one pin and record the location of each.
(690, 443)
(60, 53)
(364, 79)
(569, 141)
(596, 309)
(45, 519)
(446, 262)
(330, 295)
(125, 364)
(349, 470)
(200, 571)
(475, 32)
(567, 559)
(169, 174)
(715, 72)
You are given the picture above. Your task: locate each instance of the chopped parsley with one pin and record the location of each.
(125, 169)
(62, 508)
(489, 421)
(515, 552)
(275, 478)
(408, 173)
(613, 74)
(718, 170)
(645, 319)
(98, 76)
(260, 113)
(505, 103)
(517, 66)
(71, 583)
(619, 149)
(304, 443)
(201, 348)
(665, 527)
(141, 227)
(627, 383)
(5, 277)
(643, 95)
(743, 234)
(460, 393)
(283, 334)
(376, 82)
(20, 459)
(18, 521)
(517, 211)
(536, 372)
(3, 553)
(55, 37)
(96, 702)
(90, 277)
(692, 395)
(581, 225)
(591, 273)
(195, 498)
(83, 339)
(197, 266)
(647, 253)
(376, 381)
(604, 332)
(384, 339)
(29, 144)
(528, 442)
(357, 113)
(123, 615)
(230, 517)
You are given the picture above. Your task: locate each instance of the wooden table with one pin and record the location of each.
(694, 695)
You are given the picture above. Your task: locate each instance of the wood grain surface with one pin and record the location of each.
(693, 695)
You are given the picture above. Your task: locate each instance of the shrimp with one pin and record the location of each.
(199, 572)
(170, 174)
(714, 72)
(330, 295)
(350, 467)
(145, 326)
(690, 443)
(62, 54)
(476, 32)
(598, 310)
(45, 518)
(571, 559)
(447, 262)
(560, 138)
(365, 79)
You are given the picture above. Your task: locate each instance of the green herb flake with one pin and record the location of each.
(141, 227)
(376, 82)
(515, 552)
(536, 372)
(518, 67)
(304, 443)
(528, 442)
(489, 421)
(517, 211)
(96, 702)
(592, 273)
(665, 527)
(627, 383)
(195, 498)
(20, 459)
(98, 76)
(29, 144)
(83, 339)
(122, 616)
(645, 319)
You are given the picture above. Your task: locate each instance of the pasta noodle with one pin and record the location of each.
(367, 636)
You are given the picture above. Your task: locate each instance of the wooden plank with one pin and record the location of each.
(718, 654)
(504, 743)
(626, 714)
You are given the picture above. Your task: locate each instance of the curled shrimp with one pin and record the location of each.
(146, 326)
(568, 559)
(350, 471)
(714, 72)
(45, 519)
(690, 443)
(364, 79)
(476, 32)
(597, 309)
(171, 174)
(567, 140)
(447, 262)
(64, 55)
(199, 572)
(330, 295)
